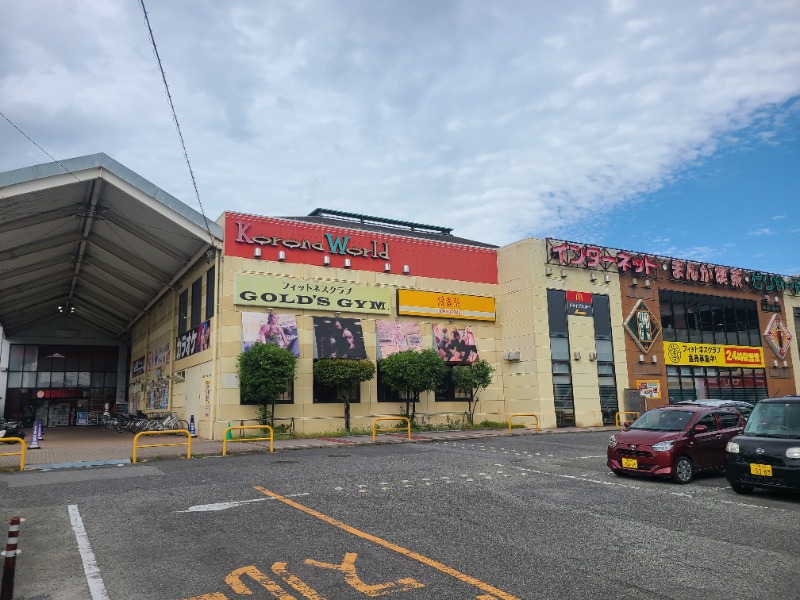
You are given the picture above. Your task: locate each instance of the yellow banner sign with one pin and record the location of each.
(713, 355)
(441, 304)
(309, 294)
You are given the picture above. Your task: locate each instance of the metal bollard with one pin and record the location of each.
(10, 562)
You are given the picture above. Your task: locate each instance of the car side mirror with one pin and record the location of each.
(700, 428)
(626, 425)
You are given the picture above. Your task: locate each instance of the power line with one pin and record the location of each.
(175, 119)
(39, 147)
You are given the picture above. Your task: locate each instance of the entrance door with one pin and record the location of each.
(196, 378)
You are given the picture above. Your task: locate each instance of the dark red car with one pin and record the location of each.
(674, 441)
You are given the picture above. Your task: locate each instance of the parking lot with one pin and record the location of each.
(537, 516)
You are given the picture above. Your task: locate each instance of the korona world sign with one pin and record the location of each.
(310, 294)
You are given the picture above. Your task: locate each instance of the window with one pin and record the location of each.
(447, 391)
(689, 317)
(385, 393)
(728, 419)
(286, 398)
(560, 358)
(324, 394)
(604, 348)
(709, 421)
(210, 283)
(197, 303)
(183, 312)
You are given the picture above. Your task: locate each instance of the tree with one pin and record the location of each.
(265, 371)
(409, 373)
(472, 379)
(343, 374)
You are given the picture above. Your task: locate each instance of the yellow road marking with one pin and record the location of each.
(500, 594)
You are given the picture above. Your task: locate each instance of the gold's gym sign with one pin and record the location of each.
(309, 294)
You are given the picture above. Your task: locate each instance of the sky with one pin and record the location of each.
(662, 127)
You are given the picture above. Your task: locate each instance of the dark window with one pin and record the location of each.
(385, 393)
(197, 303)
(183, 312)
(709, 421)
(324, 394)
(557, 312)
(689, 317)
(560, 358)
(285, 398)
(609, 399)
(447, 390)
(728, 420)
(210, 283)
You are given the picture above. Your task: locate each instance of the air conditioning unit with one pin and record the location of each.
(513, 355)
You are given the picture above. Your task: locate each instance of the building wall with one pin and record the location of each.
(524, 278)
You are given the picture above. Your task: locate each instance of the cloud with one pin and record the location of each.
(499, 120)
(761, 231)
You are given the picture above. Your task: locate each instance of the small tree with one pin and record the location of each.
(409, 373)
(472, 379)
(343, 374)
(265, 371)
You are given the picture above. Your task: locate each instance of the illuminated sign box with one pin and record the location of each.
(712, 355)
(441, 304)
(310, 294)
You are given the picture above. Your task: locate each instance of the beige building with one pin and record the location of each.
(117, 294)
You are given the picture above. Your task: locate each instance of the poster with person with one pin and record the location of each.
(396, 336)
(270, 328)
(338, 337)
(455, 345)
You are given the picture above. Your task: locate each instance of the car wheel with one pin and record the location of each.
(684, 470)
(741, 488)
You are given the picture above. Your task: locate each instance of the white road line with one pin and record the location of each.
(96, 586)
(227, 505)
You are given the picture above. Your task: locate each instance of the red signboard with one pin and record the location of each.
(579, 303)
(309, 244)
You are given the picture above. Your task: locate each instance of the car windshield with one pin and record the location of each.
(774, 419)
(663, 420)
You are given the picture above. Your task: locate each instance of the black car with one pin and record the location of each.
(744, 407)
(767, 453)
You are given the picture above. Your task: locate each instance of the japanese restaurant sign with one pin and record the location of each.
(442, 304)
(712, 355)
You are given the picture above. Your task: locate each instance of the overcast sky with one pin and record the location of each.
(668, 127)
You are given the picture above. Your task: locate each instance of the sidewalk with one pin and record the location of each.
(74, 447)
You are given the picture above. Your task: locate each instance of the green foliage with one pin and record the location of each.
(473, 379)
(343, 374)
(265, 371)
(409, 373)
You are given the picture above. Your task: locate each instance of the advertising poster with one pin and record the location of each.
(336, 337)
(649, 388)
(712, 355)
(270, 328)
(396, 336)
(455, 345)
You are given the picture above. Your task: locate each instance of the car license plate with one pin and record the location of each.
(630, 463)
(763, 470)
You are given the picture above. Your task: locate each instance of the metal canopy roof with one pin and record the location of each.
(95, 239)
